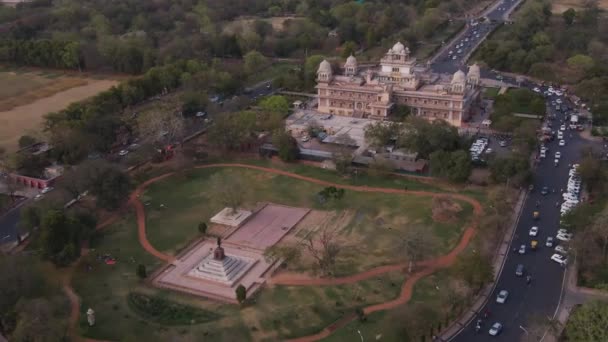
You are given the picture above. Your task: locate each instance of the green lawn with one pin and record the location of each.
(490, 93)
(371, 229)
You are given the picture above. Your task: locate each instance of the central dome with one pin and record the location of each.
(398, 48)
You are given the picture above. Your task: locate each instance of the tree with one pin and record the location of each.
(343, 154)
(287, 145)
(426, 137)
(569, 16)
(26, 140)
(193, 102)
(581, 62)
(62, 234)
(514, 169)
(162, 125)
(202, 228)
(233, 131)
(454, 166)
(141, 271)
(592, 174)
(588, 322)
(324, 247)
(29, 218)
(229, 189)
(111, 187)
(310, 70)
(475, 269)
(348, 49)
(275, 104)
(381, 133)
(254, 61)
(241, 294)
(400, 112)
(417, 243)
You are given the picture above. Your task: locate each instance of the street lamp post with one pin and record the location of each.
(360, 335)
(524, 329)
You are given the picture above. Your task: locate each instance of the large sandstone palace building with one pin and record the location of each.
(399, 80)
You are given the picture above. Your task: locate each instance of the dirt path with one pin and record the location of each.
(428, 266)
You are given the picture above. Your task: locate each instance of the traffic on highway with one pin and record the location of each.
(454, 56)
(530, 282)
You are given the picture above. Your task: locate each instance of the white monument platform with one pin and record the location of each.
(231, 218)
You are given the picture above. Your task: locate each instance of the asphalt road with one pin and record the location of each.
(541, 297)
(450, 62)
(8, 226)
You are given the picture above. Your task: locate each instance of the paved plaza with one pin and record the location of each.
(214, 269)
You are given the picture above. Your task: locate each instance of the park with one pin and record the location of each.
(325, 254)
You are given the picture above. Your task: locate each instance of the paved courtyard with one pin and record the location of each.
(267, 226)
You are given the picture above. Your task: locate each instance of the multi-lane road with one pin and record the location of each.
(453, 56)
(540, 298)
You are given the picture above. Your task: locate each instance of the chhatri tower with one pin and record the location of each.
(373, 92)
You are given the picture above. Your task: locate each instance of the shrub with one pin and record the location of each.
(165, 312)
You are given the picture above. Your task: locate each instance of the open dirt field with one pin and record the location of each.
(30, 96)
(561, 6)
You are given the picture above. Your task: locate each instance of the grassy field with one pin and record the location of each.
(490, 93)
(369, 224)
(32, 94)
(279, 312)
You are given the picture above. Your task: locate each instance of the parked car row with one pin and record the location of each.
(573, 189)
(478, 148)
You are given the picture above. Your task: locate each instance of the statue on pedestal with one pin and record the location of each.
(218, 253)
(91, 317)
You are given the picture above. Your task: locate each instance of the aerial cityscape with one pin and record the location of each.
(264, 170)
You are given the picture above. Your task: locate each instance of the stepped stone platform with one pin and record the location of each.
(214, 269)
(228, 217)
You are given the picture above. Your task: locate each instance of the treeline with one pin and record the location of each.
(568, 49)
(41, 53)
(132, 36)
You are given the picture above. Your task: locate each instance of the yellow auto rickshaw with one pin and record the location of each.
(536, 215)
(533, 244)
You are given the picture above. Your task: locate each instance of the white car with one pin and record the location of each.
(558, 93)
(123, 153)
(560, 135)
(47, 190)
(495, 329)
(558, 155)
(38, 197)
(537, 90)
(562, 142)
(549, 242)
(564, 237)
(560, 259)
(522, 249)
(562, 127)
(534, 231)
(561, 249)
(305, 138)
(501, 298)
(562, 231)
(558, 100)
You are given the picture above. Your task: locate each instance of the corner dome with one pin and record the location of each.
(459, 77)
(398, 48)
(324, 67)
(351, 60)
(474, 69)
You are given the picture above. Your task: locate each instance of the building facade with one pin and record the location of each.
(399, 80)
